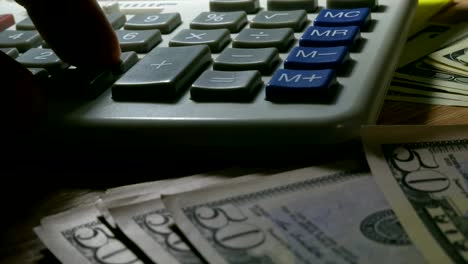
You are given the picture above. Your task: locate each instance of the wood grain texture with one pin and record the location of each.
(403, 113)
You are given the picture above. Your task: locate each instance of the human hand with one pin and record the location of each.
(457, 12)
(79, 34)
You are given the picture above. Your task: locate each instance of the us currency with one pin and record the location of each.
(418, 78)
(140, 192)
(427, 91)
(444, 67)
(326, 214)
(422, 86)
(396, 94)
(421, 72)
(430, 39)
(149, 225)
(80, 236)
(455, 56)
(423, 172)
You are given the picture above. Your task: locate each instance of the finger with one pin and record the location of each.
(77, 30)
(24, 103)
(456, 13)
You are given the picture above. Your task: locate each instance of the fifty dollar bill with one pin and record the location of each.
(423, 172)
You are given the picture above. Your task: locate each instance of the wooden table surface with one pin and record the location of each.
(31, 197)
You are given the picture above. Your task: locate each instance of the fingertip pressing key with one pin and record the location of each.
(79, 33)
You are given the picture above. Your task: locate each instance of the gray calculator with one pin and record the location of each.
(227, 72)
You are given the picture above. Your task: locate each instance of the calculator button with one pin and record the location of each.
(139, 7)
(162, 74)
(12, 52)
(140, 41)
(249, 6)
(343, 17)
(38, 71)
(316, 58)
(233, 21)
(216, 39)
(166, 23)
(330, 36)
(80, 84)
(22, 40)
(301, 85)
(351, 3)
(128, 59)
(295, 19)
(42, 58)
(25, 24)
(6, 21)
(283, 5)
(233, 59)
(117, 20)
(238, 86)
(280, 38)
(40, 74)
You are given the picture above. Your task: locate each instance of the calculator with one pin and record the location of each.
(227, 72)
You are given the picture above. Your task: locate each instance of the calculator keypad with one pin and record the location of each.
(246, 41)
(272, 78)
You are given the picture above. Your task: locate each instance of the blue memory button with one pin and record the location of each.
(316, 58)
(343, 17)
(300, 85)
(316, 36)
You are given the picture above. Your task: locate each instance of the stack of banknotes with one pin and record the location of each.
(433, 68)
(405, 201)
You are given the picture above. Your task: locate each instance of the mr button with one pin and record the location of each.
(316, 36)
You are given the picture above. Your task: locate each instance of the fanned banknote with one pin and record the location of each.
(325, 214)
(396, 95)
(455, 56)
(140, 192)
(431, 38)
(420, 71)
(422, 79)
(78, 236)
(423, 172)
(149, 225)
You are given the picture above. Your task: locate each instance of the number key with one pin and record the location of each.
(25, 24)
(22, 40)
(42, 58)
(166, 23)
(140, 41)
